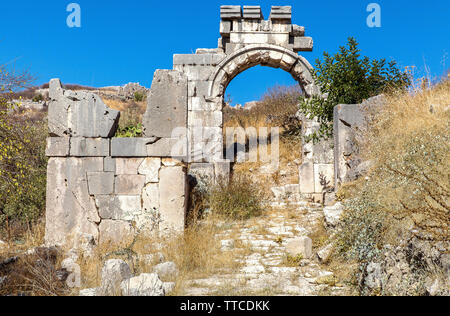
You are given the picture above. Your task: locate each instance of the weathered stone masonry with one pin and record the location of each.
(104, 189)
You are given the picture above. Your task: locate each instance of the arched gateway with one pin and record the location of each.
(106, 189)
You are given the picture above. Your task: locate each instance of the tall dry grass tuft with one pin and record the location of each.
(409, 142)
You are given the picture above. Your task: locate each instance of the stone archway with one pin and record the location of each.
(265, 55)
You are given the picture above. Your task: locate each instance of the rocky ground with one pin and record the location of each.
(278, 258)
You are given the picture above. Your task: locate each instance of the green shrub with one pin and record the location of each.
(139, 96)
(238, 199)
(22, 168)
(346, 78)
(38, 98)
(130, 123)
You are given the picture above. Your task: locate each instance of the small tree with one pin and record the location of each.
(346, 78)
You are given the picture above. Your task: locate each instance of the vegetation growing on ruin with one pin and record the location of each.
(348, 78)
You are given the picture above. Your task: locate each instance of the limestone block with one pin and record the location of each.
(100, 182)
(252, 12)
(203, 172)
(57, 147)
(281, 13)
(198, 88)
(225, 28)
(79, 114)
(118, 207)
(208, 118)
(333, 214)
(199, 72)
(306, 177)
(230, 12)
(198, 59)
(298, 30)
(325, 172)
(166, 270)
(303, 44)
(287, 62)
(173, 198)
(129, 184)
(150, 198)
(128, 166)
(300, 246)
(145, 284)
(150, 168)
(109, 164)
(131, 147)
(166, 104)
(70, 211)
(116, 232)
(89, 147)
(281, 26)
(114, 272)
(168, 147)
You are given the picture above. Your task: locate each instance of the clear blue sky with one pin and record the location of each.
(125, 41)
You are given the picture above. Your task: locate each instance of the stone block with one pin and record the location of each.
(298, 30)
(129, 184)
(173, 198)
(306, 177)
(202, 172)
(116, 232)
(303, 44)
(57, 147)
(114, 272)
(128, 166)
(225, 28)
(281, 13)
(199, 72)
(207, 118)
(118, 207)
(150, 168)
(100, 182)
(168, 147)
(150, 198)
(79, 114)
(89, 147)
(198, 88)
(166, 104)
(130, 147)
(70, 210)
(323, 172)
(109, 164)
(145, 284)
(198, 59)
(230, 12)
(300, 246)
(252, 12)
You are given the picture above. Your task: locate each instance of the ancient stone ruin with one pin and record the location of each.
(106, 189)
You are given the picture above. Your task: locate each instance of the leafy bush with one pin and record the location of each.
(38, 98)
(22, 168)
(346, 78)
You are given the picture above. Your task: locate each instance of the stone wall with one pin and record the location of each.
(350, 121)
(102, 189)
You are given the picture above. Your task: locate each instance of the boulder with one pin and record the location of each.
(167, 270)
(325, 253)
(333, 214)
(114, 272)
(143, 285)
(300, 247)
